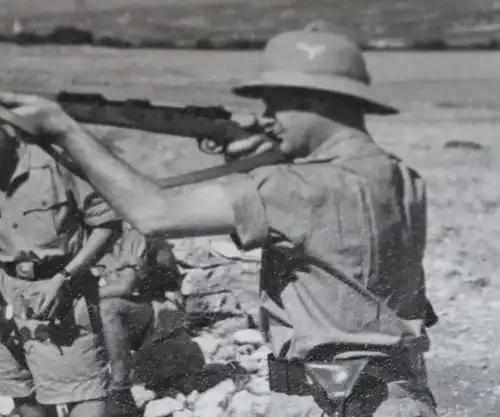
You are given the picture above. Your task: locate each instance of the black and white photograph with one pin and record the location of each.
(249, 208)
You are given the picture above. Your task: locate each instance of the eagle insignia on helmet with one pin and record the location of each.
(312, 51)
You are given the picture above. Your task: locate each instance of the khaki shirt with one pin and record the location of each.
(346, 219)
(46, 209)
(149, 258)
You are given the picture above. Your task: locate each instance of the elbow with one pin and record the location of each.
(145, 227)
(146, 222)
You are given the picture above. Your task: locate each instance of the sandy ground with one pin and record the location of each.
(447, 97)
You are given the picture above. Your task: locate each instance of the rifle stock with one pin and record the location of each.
(211, 126)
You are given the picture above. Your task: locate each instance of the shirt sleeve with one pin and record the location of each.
(133, 251)
(249, 212)
(95, 210)
(272, 200)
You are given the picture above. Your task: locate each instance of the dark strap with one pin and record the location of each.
(9, 334)
(43, 269)
(239, 166)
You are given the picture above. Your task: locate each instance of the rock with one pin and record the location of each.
(263, 372)
(248, 337)
(212, 411)
(217, 396)
(244, 404)
(208, 344)
(142, 395)
(244, 284)
(228, 302)
(199, 281)
(225, 353)
(245, 350)
(395, 407)
(181, 398)
(253, 312)
(225, 328)
(183, 413)
(258, 386)
(292, 406)
(250, 365)
(261, 354)
(163, 407)
(6, 405)
(228, 250)
(221, 302)
(192, 397)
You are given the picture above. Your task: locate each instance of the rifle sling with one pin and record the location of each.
(238, 166)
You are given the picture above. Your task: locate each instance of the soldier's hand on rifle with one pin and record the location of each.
(42, 119)
(43, 304)
(255, 144)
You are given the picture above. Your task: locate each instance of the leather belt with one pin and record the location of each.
(35, 270)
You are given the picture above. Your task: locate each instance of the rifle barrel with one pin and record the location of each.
(207, 122)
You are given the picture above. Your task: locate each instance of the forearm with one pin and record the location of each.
(98, 242)
(205, 210)
(130, 193)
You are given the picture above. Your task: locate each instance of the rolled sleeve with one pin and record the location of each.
(95, 210)
(250, 214)
(282, 201)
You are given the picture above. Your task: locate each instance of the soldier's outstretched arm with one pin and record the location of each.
(201, 210)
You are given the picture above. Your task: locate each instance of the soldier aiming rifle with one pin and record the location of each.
(342, 225)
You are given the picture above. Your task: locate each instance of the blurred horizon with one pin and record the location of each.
(455, 21)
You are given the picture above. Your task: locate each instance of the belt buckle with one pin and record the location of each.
(25, 270)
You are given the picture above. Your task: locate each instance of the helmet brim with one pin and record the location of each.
(333, 84)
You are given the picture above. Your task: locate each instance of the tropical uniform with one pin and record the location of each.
(46, 215)
(347, 218)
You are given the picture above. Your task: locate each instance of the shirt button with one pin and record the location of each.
(15, 225)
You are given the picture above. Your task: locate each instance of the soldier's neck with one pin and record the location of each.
(329, 128)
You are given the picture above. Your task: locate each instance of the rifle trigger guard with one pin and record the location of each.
(210, 147)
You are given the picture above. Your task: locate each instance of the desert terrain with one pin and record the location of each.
(448, 130)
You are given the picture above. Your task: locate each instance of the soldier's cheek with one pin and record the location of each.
(295, 131)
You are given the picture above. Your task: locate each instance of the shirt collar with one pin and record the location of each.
(29, 157)
(24, 164)
(341, 146)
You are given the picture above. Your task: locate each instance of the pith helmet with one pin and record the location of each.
(316, 58)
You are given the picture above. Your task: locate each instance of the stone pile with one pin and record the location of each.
(221, 284)
(245, 395)
(220, 287)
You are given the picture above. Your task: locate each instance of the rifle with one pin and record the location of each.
(211, 126)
